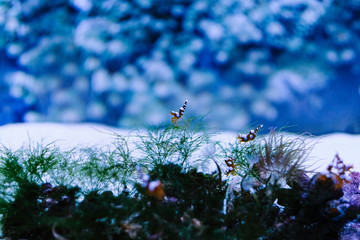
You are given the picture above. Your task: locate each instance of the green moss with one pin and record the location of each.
(106, 194)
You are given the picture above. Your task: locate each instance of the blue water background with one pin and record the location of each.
(240, 63)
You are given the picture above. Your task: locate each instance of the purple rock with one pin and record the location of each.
(351, 190)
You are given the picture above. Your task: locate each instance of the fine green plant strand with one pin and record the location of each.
(157, 145)
(173, 143)
(84, 193)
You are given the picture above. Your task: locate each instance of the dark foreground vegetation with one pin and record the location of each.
(259, 189)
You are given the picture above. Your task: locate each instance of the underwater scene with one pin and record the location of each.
(180, 119)
(126, 63)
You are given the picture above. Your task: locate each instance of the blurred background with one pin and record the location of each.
(128, 63)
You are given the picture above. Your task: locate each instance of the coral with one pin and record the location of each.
(317, 208)
(116, 61)
(351, 190)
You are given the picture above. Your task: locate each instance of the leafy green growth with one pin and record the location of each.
(37, 209)
(174, 143)
(103, 193)
(28, 165)
(252, 215)
(244, 156)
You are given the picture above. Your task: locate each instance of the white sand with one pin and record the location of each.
(67, 136)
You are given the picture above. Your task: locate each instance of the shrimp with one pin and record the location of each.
(177, 115)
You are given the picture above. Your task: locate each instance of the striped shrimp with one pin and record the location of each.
(177, 115)
(251, 136)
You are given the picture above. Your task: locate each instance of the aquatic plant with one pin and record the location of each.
(172, 143)
(154, 190)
